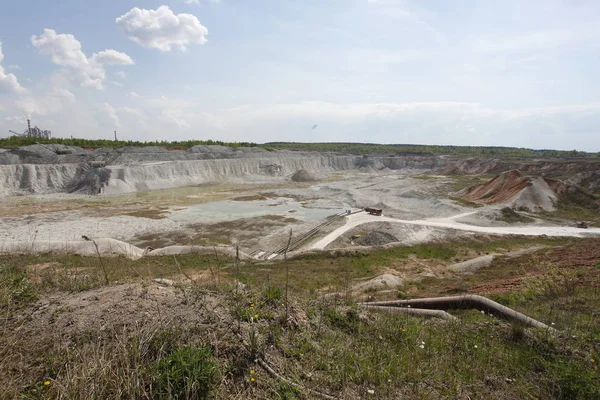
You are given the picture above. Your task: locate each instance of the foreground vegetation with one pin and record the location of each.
(83, 327)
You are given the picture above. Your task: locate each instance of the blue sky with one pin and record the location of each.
(470, 72)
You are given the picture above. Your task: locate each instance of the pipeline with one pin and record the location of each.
(413, 311)
(465, 302)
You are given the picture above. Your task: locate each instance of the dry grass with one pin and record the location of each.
(114, 341)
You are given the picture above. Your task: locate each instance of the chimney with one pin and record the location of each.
(28, 128)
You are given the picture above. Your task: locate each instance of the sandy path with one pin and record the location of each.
(355, 220)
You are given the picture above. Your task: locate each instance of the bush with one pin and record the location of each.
(187, 373)
(272, 295)
(349, 322)
(574, 381)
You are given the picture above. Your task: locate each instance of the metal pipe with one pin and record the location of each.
(413, 311)
(465, 302)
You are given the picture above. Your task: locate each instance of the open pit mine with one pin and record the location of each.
(145, 201)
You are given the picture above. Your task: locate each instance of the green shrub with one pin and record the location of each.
(349, 322)
(272, 295)
(574, 380)
(187, 373)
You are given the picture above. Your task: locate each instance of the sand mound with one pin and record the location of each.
(588, 179)
(377, 238)
(303, 176)
(515, 190)
(384, 281)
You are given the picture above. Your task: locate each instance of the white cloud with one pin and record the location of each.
(198, 1)
(51, 102)
(537, 40)
(65, 51)
(161, 29)
(8, 82)
(112, 57)
(51, 96)
(106, 116)
(121, 75)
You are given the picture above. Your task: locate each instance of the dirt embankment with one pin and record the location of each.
(515, 190)
(585, 173)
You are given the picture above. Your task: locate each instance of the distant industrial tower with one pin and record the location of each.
(34, 132)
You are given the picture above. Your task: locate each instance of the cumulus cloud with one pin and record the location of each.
(161, 29)
(8, 82)
(65, 51)
(112, 57)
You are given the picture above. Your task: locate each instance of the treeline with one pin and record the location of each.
(16, 141)
(349, 148)
(411, 149)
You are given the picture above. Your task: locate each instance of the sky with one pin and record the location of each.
(470, 72)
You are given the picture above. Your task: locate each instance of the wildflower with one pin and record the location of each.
(483, 312)
(491, 336)
(476, 346)
(47, 383)
(251, 305)
(251, 372)
(422, 346)
(252, 379)
(402, 329)
(592, 360)
(371, 391)
(255, 316)
(552, 323)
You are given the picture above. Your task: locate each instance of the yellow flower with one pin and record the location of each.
(251, 372)
(252, 379)
(251, 305)
(592, 360)
(46, 383)
(255, 316)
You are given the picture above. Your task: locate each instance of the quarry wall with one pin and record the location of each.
(149, 173)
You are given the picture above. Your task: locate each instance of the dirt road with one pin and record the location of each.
(355, 220)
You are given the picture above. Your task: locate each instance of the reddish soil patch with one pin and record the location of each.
(580, 261)
(498, 190)
(584, 255)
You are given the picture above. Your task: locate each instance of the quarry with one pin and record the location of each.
(214, 197)
(281, 261)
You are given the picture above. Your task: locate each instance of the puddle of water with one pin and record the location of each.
(229, 210)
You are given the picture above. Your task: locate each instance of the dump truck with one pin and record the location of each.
(374, 211)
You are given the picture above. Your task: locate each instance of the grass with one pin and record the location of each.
(466, 203)
(333, 346)
(511, 216)
(577, 204)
